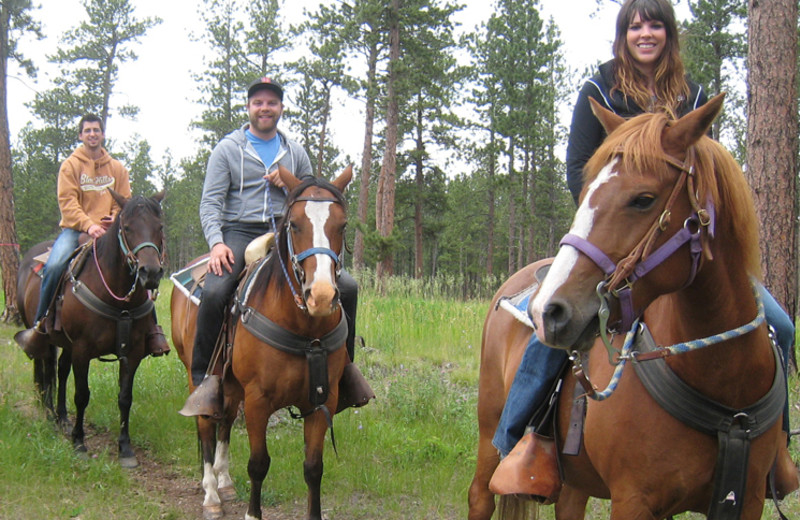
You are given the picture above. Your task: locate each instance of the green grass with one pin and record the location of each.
(410, 454)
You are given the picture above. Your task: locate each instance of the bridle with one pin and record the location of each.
(130, 257)
(621, 276)
(296, 259)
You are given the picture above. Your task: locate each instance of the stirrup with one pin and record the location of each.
(205, 400)
(530, 470)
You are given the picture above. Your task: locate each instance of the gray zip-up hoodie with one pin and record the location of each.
(235, 190)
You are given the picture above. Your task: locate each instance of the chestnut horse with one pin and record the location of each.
(281, 321)
(666, 231)
(106, 311)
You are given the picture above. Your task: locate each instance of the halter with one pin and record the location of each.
(131, 259)
(621, 276)
(297, 259)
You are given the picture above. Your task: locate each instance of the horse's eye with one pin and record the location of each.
(643, 202)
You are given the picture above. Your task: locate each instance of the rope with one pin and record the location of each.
(625, 354)
(696, 344)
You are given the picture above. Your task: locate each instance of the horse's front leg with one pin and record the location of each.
(127, 372)
(256, 412)
(80, 369)
(315, 427)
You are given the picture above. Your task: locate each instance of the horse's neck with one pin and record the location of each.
(720, 300)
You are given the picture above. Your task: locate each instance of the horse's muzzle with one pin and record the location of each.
(562, 325)
(150, 277)
(321, 299)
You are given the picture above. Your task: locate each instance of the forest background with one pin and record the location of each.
(460, 174)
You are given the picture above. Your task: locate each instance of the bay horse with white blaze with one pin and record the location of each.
(665, 235)
(285, 343)
(105, 310)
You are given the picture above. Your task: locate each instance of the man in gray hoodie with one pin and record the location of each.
(243, 198)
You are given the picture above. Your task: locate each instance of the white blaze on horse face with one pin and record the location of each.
(567, 257)
(318, 213)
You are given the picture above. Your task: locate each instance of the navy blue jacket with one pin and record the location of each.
(586, 133)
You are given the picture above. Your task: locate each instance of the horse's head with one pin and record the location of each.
(645, 220)
(314, 227)
(140, 233)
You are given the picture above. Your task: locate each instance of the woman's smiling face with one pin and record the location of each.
(646, 41)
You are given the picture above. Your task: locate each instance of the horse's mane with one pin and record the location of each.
(719, 178)
(272, 268)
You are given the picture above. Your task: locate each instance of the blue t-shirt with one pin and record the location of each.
(267, 150)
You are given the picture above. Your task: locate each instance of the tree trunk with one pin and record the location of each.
(366, 159)
(512, 210)
(491, 209)
(324, 130)
(772, 141)
(9, 256)
(386, 185)
(420, 186)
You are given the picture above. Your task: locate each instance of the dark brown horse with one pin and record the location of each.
(106, 311)
(288, 312)
(652, 183)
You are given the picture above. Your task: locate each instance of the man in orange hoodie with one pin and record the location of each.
(86, 207)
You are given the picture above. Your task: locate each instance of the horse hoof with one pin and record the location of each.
(128, 462)
(212, 512)
(227, 494)
(64, 426)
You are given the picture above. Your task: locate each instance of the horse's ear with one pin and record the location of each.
(607, 118)
(344, 178)
(158, 197)
(118, 198)
(288, 178)
(691, 127)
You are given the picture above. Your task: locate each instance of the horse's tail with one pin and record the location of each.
(511, 507)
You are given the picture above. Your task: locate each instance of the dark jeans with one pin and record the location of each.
(540, 364)
(218, 290)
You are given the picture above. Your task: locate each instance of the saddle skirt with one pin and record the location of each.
(190, 279)
(517, 304)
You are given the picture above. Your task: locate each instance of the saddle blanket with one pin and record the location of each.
(187, 280)
(517, 304)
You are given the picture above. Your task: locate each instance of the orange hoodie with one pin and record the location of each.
(83, 184)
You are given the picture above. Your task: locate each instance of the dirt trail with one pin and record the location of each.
(173, 489)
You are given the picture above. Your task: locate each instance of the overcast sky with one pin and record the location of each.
(160, 81)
